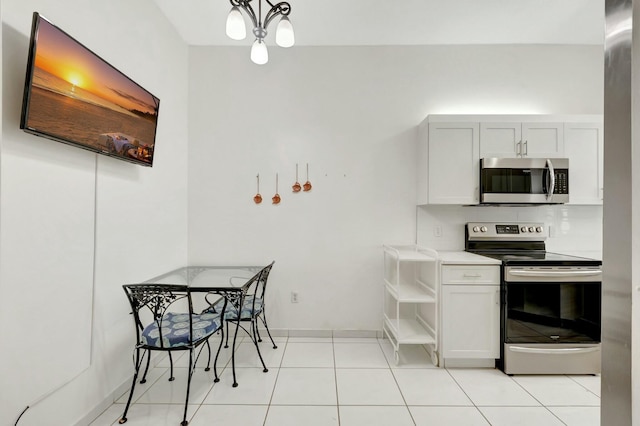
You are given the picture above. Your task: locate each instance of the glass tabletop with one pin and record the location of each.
(208, 278)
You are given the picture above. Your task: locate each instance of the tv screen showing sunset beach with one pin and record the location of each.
(74, 96)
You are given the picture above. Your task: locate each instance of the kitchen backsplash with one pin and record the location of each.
(570, 229)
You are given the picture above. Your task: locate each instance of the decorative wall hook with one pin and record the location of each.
(307, 185)
(258, 198)
(296, 186)
(276, 198)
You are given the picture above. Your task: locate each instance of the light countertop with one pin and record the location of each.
(597, 255)
(465, 258)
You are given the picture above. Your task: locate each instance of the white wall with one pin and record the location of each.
(75, 226)
(351, 113)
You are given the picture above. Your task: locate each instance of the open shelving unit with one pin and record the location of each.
(410, 302)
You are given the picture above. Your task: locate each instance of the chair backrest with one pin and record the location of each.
(264, 276)
(151, 303)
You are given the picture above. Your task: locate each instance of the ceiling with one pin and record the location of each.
(408, 22)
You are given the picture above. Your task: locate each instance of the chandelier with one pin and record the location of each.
(236, 28)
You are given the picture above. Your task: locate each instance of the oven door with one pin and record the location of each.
(551, 320)
(524, 180)
(552, 305)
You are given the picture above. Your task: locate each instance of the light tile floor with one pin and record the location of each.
(355, 382)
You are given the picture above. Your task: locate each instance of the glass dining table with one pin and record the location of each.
(230, 282)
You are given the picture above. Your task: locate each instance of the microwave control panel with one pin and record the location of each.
(562, 182)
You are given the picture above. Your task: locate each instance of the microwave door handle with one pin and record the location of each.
(552, 180)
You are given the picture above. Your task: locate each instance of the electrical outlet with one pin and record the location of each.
(294, 297)
(437, 231)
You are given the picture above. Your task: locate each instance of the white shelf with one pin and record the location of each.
(409, 331)
(410, 254)
(410, 305)
(411, 293)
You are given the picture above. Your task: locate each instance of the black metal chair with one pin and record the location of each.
(258, 303)
(253, 308)
(160, 328)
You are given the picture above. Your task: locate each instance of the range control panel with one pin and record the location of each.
(506, 231)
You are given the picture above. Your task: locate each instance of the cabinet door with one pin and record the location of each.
(501, 140)
(453, 163)
(583, 147)
(544, 140)
(471, 321)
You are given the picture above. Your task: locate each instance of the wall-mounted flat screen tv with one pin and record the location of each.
(73, 96)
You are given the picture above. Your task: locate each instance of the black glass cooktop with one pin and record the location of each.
(525, 258)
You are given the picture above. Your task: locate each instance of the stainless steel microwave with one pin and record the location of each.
(524, 180)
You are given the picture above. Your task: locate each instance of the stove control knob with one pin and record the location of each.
(523, 229)
(539, 229)
(476, 229)
(531, 229)
(483, 229)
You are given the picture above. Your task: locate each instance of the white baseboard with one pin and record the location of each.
(106, 403)
(115, 394)
(337, 334)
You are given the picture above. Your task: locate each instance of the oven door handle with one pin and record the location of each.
(558, 351)
(554, 274)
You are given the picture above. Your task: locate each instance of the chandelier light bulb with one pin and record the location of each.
(284, 33)
(259, 52)
(236, 28)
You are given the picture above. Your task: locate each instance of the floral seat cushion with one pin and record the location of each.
(248, 307)
(174, 329)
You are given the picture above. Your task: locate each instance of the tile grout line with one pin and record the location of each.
(539, 402)
(335, 376)
(467, 395)
(275, 382)
(199, 406)
(406, 405)
(222, 369)
(589, 390)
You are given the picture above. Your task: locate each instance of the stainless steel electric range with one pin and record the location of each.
(550, 313)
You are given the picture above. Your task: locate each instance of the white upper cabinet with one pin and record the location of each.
(450, 148)
(583, 146)
(501, 140)
(542, 140)
(451, 152)
(512, 139)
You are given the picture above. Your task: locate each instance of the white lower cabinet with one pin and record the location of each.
(470, 315)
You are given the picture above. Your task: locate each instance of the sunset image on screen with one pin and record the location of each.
(78, 97)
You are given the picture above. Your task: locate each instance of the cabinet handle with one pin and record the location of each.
(497, 297)
(472, 275)
(526, 148)
(519, 149)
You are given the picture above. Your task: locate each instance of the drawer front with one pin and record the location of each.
(467, 274)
